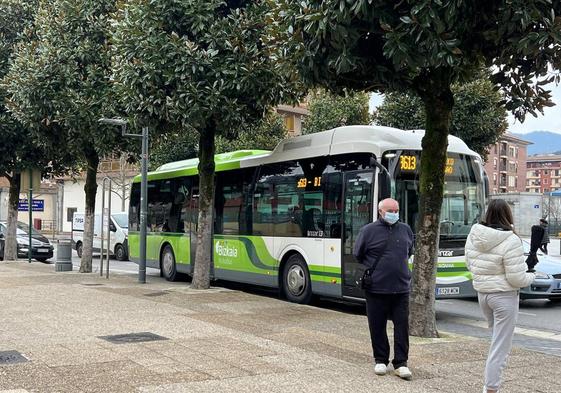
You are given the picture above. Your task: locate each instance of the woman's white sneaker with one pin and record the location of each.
(380, 369)
(404, 372)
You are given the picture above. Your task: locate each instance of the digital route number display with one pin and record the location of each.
(304, 182)
(410, 163)
(407, 163)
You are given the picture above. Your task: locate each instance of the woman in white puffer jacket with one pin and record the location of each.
(495, 257)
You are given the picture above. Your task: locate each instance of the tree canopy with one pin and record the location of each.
(478, 117)
(264, 134)
(329, 110)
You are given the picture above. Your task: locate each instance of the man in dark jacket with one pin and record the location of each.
(545, 238)
(535, 243)
(385, 247)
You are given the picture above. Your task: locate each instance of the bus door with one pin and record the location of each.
(357, 212)
(193, 223)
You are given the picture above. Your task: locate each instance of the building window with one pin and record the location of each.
(494, 163)
(289, 123)
(494, 179)
(544, 181)
(511, 151)
(70, 213)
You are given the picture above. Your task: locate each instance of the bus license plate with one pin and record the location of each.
(448, 291)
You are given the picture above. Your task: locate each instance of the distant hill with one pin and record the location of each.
(544, 142)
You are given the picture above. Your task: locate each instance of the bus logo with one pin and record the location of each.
(223, 249)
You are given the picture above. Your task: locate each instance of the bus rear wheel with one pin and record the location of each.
(167, 264)
(297, 286)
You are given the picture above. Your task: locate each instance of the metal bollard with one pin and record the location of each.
(63, 256)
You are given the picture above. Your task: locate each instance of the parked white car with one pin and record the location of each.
(547, 284)
(119, 234)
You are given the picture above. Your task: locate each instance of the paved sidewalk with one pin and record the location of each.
(218, 340)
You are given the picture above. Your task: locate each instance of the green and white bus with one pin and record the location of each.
(289, 218)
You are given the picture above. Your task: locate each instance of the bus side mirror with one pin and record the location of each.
(384, 185)
(486, 185)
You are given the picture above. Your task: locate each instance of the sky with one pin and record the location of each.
(549, 121)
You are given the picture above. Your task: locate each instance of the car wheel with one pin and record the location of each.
(120, 253)
(42, 259)
(297, 286)
(167, 264)
(79, 248)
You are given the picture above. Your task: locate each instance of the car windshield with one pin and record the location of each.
(121, 219)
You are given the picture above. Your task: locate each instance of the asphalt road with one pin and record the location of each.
(534, 314)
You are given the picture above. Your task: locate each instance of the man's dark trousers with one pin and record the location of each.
(380, 308)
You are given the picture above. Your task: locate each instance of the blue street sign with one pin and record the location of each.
(37, 205)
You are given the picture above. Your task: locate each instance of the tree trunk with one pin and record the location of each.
(90, 189)
(438, 101)
(11, 245)
(201, 275)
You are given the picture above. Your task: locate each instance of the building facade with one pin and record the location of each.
(293, 117)
(543, 173)
(506, 165)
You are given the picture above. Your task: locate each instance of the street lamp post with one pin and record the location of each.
(143, 190)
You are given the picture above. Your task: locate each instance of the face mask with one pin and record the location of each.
(391, 218)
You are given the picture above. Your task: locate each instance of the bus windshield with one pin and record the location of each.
(462, 205)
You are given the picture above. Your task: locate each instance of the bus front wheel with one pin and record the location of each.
(167, 264)
(297, 286)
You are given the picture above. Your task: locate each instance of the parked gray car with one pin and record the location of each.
(41, 248)
(547, 284)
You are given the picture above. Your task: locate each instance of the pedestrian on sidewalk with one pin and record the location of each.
(384, 247)
(537, 233)
(545, 238)
(495, 257)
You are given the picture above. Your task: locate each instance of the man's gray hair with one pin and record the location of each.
(380, 204)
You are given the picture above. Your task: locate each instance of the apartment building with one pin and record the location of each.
(293, 117)
(543, 173)
(506, 165)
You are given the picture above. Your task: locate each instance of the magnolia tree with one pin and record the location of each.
(16, 148)
(20, 149)
(58, 85)
(425, 46)
(478, 117)
(328, 110)
(196, 65)
(263, 134)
